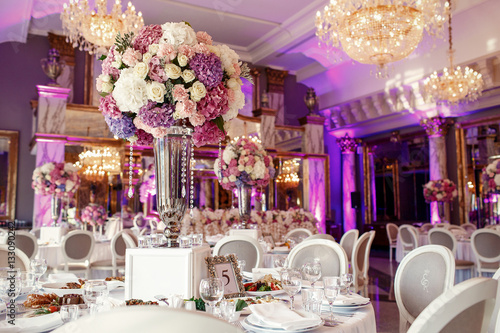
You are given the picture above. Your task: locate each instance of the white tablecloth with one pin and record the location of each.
(53, 253)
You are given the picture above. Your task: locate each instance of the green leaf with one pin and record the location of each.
(103, 94)
(186, 22)
(240, 305)
(219, 122)
(103, 57)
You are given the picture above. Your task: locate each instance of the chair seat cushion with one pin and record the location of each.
(75, 266)
(463, 263)
(490, 265)
(107, 263)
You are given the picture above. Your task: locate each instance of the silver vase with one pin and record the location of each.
(55, 208)
(172, 163)
(244, 203)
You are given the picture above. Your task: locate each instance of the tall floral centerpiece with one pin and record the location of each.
(491, 177)
(58, 180)
(172, 87)
(245, 163)
(94, 215)
(442, 191)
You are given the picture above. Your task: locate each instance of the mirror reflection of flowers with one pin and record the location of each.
(94, 215)
(442, 190)
(244, 161)
(56, 178)
(491, 176)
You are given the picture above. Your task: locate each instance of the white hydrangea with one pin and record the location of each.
(47, 168)
(178, 34)
(130, 92)
(228, 155)
(228, 58)
(259, 170)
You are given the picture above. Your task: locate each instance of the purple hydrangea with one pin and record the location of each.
(143, 138)
(207, 68)
(155, 116)
(123, 127)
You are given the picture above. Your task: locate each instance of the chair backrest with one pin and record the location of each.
(331, 255)
(426, 227)
(299, 232)
(490, 226)
(408, 236)
(423, 274)
(139, 221)
(467, 307)
(469, 228)
(485, 244)
(245, 247)
(36, 232)
(320, 236)
(27, 242)
(442, 236)
(495, 322)
(361, 256)
(442, 225)
(149, 319)
(347, 242)
(77, 246)
(119, 244)
(392, 232)
(132, 235)
(21, 260)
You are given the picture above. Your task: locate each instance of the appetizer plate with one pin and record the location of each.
(264, 293)
(57, 288)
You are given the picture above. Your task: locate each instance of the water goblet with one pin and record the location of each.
(94, 294)
(332, 285)
(291, 281)
(280, 262)
(212, 291)
(312, 271)
(347, 280)
(38, 268)
(10, 288)
(69, 313)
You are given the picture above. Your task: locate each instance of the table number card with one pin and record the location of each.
(226, 268)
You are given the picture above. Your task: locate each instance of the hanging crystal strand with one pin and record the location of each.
(130, 171)
(184, 159)
(191, 190)
(220, 162)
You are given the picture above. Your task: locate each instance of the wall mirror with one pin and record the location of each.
(9, 146)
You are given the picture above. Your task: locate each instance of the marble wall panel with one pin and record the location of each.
(313, 139)
(315, 191)
(348, 186)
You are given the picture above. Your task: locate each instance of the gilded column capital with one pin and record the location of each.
(276, 80)
(436, 126)
(347, 144)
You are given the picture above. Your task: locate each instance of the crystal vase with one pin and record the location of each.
(244, 203)
(172, 163)
(441, 212)
(55, 209)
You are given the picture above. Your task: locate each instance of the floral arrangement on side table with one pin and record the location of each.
(491, 176)
(169, 73)
(442, 190)
(95, 215)
(57, 179)
(244, 161)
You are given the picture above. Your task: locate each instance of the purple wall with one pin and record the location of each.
(295, 107)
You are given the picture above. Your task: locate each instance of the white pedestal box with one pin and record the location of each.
(51, 234)
(164, 271)
(254, 233)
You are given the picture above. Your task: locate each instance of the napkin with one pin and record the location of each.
(36, 324)
(63, 277)
(281, 249)
(113, 284)
(353, 299)
(278, 315)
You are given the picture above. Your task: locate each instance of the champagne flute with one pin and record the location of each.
(347, 280)
(38, 267)
(212, 291)
(312, 271)
(332, 290)
(291, 281)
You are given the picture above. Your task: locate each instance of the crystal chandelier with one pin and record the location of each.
(289, 177)
(93, 31)
(454, 85)
(378, 32)
(99, 162)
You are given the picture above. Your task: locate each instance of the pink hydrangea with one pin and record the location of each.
(204, 37)
(143, 138)
(197, 119)
(208, 133)
(215, 103)
(201, 48)
(107, 67)
(149, 34)
(131, 57)
(185, 108)
(94, 215)
(107, 105)
(167, 50)
(156, 70)
(180, 93)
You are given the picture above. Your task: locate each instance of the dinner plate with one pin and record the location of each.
(38, 324)
(344, 307)
(252, 322)
(264, 293)
(56, 288)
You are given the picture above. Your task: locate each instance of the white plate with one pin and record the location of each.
(37, 324)
(252, 322)
(307, 285)
(344, 307)
(264, 293)
(281, 250)
(56, 288)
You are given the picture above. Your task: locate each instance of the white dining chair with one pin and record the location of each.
(36, 232)
(347, 242)
(445, 225)
(392, 236)
(408, 236)
(492, 226)
(442, 236)
(469, 228)
(27, 242)
(320, 236)
(21, 260)
(426, 227)
(361, 261)
(119, 244)
(331, 255)
(423, 274)
(133, 236)
(485, 244)
(245, 247)
(466, 307)
(77, 247)
(495, 322)
(151, 319)
(457, 230)
(299, 232)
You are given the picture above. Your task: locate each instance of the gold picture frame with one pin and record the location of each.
(8, 192)
(227, 267)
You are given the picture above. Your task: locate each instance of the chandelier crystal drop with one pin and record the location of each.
(95, 30)
(454, 85)
(378, 32)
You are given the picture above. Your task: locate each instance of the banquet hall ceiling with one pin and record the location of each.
(280, 34)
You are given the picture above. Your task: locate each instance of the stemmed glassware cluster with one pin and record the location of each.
(38, 268)
(332, 285)
(291, 281)
(95, 293)
(312, 271)
(212, 291)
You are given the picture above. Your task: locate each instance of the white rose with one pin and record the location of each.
(153, 49)
(106, 87)
(69, 185)
(178, 34)
(146, 57)
(173, 71)
(232, 178)
(130, 91)
(141, 70)
(248, 169)
(439, 196)
(183, 60)
(105, 78)
(156, 91)
(47, 168)
(188, 75)
(259, 170)
(225, 180)
(233, 84)
(198, 91)
(118, 61)
(214, 49)
(497, 179)
(241, 168)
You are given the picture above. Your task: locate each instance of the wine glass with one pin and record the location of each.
(291, 281)
(347, 280)
(312, 271)
(10, 285)
(280, 262)
(212, 291)
(38, 267)
(332, 286)
(94, 294)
